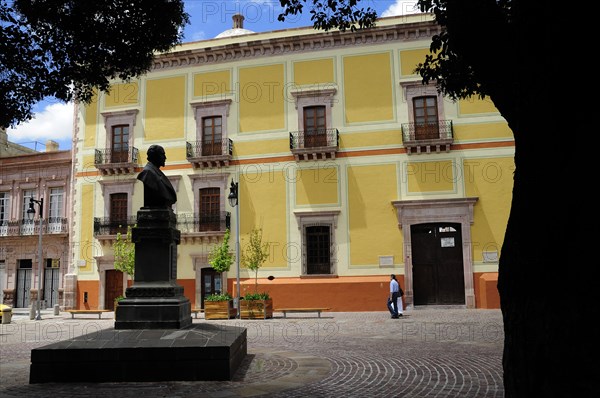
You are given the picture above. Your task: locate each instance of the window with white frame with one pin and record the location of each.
(27, 225)
(4, 212)
(55, 210)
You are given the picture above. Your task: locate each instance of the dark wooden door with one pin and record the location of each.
(438, 272)
(426, 118)
(315, 127)
(318, 256)
(113, 288)
(120, 144)
(118, 213)
(210, 204)
(211, 283)
(212, 135)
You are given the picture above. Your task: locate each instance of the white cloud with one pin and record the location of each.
(54, 122)
(198, 35)
(401, 7)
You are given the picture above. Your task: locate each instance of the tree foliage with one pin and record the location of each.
(124, 252)
(255, 253)
(332, 14)
(69, 48)
(220, 258)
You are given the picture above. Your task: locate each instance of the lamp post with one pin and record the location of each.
(234, 202)
(30, 215)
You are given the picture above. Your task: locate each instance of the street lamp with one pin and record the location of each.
(30, 214)
(233, 202)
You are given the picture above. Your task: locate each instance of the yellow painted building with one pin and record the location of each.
(352, 168)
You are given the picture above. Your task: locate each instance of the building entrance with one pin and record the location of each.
(437, 260)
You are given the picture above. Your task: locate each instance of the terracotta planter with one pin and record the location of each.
(219, 310)
(256, 309)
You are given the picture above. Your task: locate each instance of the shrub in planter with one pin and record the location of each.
(219, 306)
(256, 306)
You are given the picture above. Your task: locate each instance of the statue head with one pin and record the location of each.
(156, 155)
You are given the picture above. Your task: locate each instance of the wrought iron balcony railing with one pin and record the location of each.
(110, 156)
(314, 138)
(440, 130)
(200, 149)
(105, 226)
(51, 225)
(217, 221)
(427, 137)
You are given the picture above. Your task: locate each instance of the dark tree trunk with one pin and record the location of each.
(547, 296)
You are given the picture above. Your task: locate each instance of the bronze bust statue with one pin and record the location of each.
(158, 191)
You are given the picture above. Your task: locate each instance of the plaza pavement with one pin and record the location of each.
(430, 352)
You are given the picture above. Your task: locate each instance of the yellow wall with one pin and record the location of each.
(86, 222)
(212, 83)
(317, 186)
(373, 221)
(91, 123)
(262, 105)
(263, 205)
(371, 138)
(409, 59)
(122, 94)
(482, 131)
(491, 180)
(176, 154)
(475, 105)
(265, 147)
(430, 176)
(165, 108)
(314, 72)
(368, 88)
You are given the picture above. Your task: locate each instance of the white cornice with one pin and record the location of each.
(318, 41)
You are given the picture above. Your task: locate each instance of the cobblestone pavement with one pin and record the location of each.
(433, 352)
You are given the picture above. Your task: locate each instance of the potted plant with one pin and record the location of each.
(219, 306)
(255, 305)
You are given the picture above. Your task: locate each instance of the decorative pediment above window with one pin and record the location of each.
(306, 217)
(426, 131)
(316, 138)
(321, 94)
(211, 148)
(119, 156)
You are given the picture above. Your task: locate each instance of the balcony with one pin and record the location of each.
(50, 226)
(203, 227)
(315, 144)
(208, 155)
(106, 230)
(427, 137)
(111, 162)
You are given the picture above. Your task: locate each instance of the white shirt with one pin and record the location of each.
(394, 286)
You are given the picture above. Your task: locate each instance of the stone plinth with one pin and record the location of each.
(155, 301)
(200, 352)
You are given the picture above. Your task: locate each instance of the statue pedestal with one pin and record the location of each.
(155, 301)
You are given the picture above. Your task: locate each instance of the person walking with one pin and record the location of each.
(392, 302)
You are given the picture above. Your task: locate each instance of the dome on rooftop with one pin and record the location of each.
(238, 28)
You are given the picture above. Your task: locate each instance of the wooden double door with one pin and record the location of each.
(437, 264)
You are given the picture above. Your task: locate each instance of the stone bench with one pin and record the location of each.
(195, 311)
(317, 310)
(76, 312)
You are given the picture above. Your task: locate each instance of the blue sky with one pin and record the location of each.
(54, 119)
